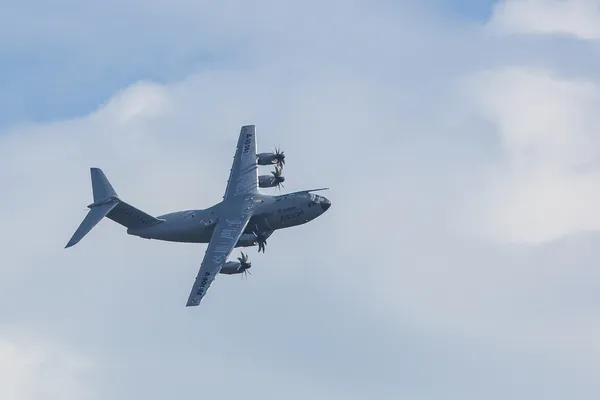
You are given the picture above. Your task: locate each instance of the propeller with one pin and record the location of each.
(279, 157)
(279, 178)
(244, 264)
(260, 238)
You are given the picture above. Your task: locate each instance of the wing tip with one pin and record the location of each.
(193, 301)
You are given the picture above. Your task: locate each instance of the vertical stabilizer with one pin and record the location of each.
(101, 187)
(107, 204)
(105, 200)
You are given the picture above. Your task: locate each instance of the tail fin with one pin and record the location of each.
(101, 187)
(107, 204)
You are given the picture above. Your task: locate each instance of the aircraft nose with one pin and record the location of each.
(325, 204)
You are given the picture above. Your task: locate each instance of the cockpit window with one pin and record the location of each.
(315, 197)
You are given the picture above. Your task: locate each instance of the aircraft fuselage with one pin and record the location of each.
(271, 213)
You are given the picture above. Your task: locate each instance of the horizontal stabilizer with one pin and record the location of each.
(107, 204)
(92, 218)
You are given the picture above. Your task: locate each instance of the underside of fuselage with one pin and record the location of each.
(273, 213)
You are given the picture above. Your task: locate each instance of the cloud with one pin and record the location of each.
(31, 368)
(546, 185)
(383, 296)
(168, 147)
(577, 18)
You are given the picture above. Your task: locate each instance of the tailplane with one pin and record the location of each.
(107, 204)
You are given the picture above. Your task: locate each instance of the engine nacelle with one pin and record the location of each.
(266, 159)
(246, 240)
(231, 268)
(267, 181)
(275, 158)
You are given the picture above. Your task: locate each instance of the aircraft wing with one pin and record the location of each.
(233, 218)
(243, 177)
(234, 213)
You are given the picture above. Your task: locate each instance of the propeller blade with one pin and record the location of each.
(279, 156)
(261, 239)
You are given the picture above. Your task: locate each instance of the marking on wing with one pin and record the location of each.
(226, 241)
(247, 142)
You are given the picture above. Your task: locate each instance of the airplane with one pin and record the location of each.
(245, 217)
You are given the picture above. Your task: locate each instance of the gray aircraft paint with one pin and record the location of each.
(272, 213)
(245, 217)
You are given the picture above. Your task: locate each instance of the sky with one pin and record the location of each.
(458, 138)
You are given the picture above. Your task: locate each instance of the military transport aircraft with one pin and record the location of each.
(245, 217)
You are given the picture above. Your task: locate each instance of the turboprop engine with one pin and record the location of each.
(277, 158)
(246, 240)
(237, 267)
(253, 239)
(275, 179)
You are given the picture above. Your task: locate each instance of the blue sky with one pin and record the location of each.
(458, 260)
(69, 79)
(476, 10)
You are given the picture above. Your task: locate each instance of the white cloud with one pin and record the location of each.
(379, 297)
(164, 148)
(32, 369)
(548, 183)
(578, 18)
